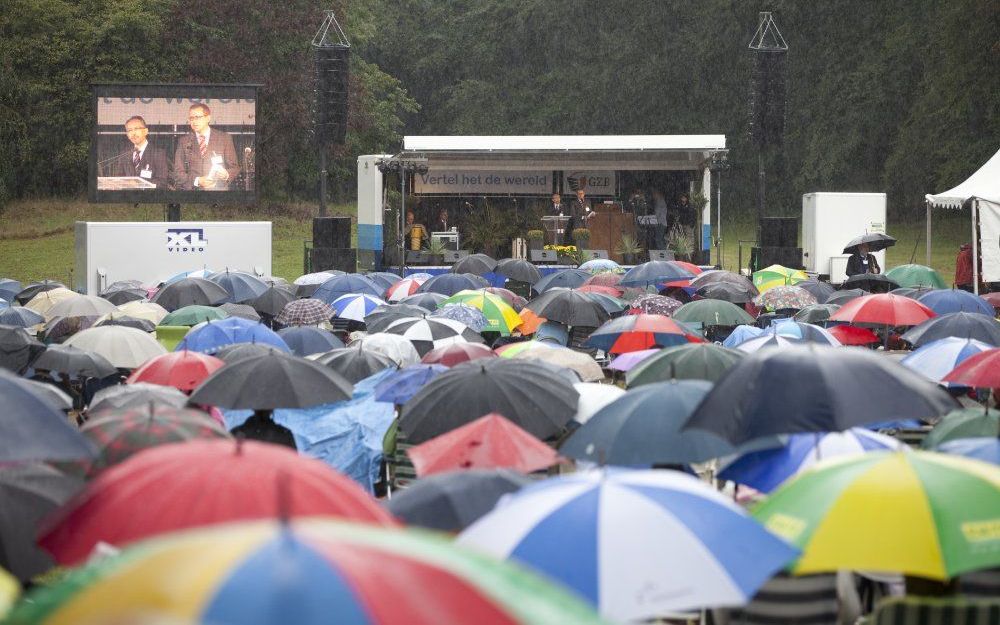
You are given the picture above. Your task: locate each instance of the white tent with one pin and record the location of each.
(983, 189)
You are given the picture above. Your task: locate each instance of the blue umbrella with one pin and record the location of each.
(34, 430)
(347, 283)
(937, 358)
(383, 278)
(463, 313)
(654, 272)
(798, 330)
(741, 334)
(355, 306)
(402, 384)
(643, 428)
(959, 324)
(194, 273)
(209, 336)
(448, 284)
(9, 288)
(20, 316)
(305, 340)
(985, 448)
(566, 278)
(943, 301)
(242, 287)
(4, 304)
(597, 265)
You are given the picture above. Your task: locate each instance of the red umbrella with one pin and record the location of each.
(603, 279)
(489, 442)
(981, 370)
(632, 333)
(455, 353)
(993, 299)
(853, 335)
(597, 288)
(884, 309)
(183, 370)
(197, 483)
(695, 269)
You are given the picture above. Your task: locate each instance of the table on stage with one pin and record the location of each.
(607, 226)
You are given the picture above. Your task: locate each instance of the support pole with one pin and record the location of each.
(322, 181)
(975, 246)
(927, 221)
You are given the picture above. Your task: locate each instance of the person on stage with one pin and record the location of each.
(579, 212)
(442, 224)
(145, 160)
(206, 158)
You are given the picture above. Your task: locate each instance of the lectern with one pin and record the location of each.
(555, 228)
(607, 226)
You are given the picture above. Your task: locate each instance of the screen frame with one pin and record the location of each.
(192, 92)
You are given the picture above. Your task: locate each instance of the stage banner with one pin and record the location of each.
(593, 182)
(477, 182)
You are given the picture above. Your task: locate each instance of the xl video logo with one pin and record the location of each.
(186, 240)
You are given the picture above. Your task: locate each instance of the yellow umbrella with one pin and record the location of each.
(9, 590)
(45, 300)
(138, 310)
(777, 275)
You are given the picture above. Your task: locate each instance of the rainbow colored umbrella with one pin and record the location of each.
(920, 513)
(635, 332)
(777, 275)
(309, 571)
(500, 316)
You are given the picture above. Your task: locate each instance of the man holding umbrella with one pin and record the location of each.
(862, 260)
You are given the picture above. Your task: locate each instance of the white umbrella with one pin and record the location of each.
(80, 306)
(318, 277)
(593, 397)
(124, 347)
(427, 334)
(580, 363)
(139, 310)
(399, 349)
(45, 300)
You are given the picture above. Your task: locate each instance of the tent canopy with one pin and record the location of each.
(984, 184)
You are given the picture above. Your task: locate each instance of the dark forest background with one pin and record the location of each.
(901, 96)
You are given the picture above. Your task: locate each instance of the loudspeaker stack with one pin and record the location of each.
(779, 239)
(332, 75)
(332, 245)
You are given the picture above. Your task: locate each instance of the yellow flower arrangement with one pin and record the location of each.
(562, 250)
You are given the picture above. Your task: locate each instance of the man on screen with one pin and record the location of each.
(206, 159)
(145, 160)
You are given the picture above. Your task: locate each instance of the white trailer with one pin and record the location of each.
(830, 221)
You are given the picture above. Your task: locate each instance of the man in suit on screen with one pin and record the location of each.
(144, 160)
(206, 158)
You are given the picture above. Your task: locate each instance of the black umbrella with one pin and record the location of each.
(125, 296)
(190, 291)
(383, 278)
(571, 308)
(356, 364)
(129, 322)
(9, 288)
(306, 290)
(51, 393)
(654, 272)
(812, 388)
(33, 429)
(33, 289)
(727, 292)
(842, 297)
(715, 276)
(450, 502)
(305, 340)
(236, 351)
(279, 381)
(427, 301)
(20, 317)
(384, 316)
(875, 241)
(963, 325)
(271, 301)
(518, 269)
(816, 313)
(533, 397)
(913, 292)
(243, 311)
(565, 278)
(820, 290)
(475, 263)
(136, 395)
(448, 284)
(74, 361)
(30, 493)
(871, 282)
(17, 348)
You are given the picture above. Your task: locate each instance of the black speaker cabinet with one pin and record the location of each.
(324, 258)
(790, 257)
(779, 232)
(332, 232)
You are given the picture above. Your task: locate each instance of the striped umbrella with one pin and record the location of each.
(777, 275)
(634, 332)
(938, 358)
(500, 316)
(428, 334)
(403, 288)
(355, 306)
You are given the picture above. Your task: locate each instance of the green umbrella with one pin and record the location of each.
(963, 423)
(713, 312)
(694, 361)
(915, 276)
(193, 315)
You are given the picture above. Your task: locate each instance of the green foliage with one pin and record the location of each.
(628, 244)
(581, 236)
(535, 235)
(488, 229)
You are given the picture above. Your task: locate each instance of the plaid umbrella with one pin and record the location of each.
(785, 297)
(304, 312)
(428, 334)
(654, 305)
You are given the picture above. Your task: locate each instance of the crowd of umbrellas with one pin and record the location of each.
(587, 445)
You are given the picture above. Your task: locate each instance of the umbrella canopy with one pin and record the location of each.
(938, 358)
(978, 370)
(427, 301)
(124, 296)
(383, 316)
(611, 291)
(30, 492)
(307, 572)
(139, 310)
(80, 306)
(208, 337)
(847, 295)
(654, 272)
(607, 535)
(655, 305)
(714, 276)
(696, 361)
(73, 361)
(741, 334)
(944, 301)
(450, 502)
(56, 397)
(785, 298)
(183, 370)
(403, 288)
(45, 300)
(875, 241)
(385, 278)
(767, 341)
(243, 311)
(348, 283)
(514, 300)
(984, 448)
(712, 313)
(400, 385)
(533, 397)
(804, 331)
(567, 307)
(726, 291)
(305, 340)
(832, 390)
(961, 325)
(17, 348)
(478, 264)
(629, 360)
(122, 433)
(473, 318)
(635, 332)
(33, 429)
(581, 364)
(355, 365)
(912, 292)
(882, 510)
(764, 470)
(456, 353)
(853, 335)
(188, 291)
(820, 290)
(499, 315)
(963, 423)
(871, 282)
(278, 381)
(26, 294)
(428, 334)
(883, 309)
(565, 278)
(606, 278)
(129, 322)
(355, 306)
(136, 395)
(236, 351)
(20, 317)
(164, 489)
(916, 276)
(193, 315)
(123, 347)
(489, 442)
(448, 284)
(272, 301)
(815, 313)
(58, 329)
(9, 288)
(518, 269)
(397, 348)
(597, 265)
(593, 397)
(643, 427)
(317, 278)
(777, 275)
(304, 312)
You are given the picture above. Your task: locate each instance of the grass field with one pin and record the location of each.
(36, 236)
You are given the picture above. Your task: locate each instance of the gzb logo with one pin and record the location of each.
(588, 181)
(186, 240)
